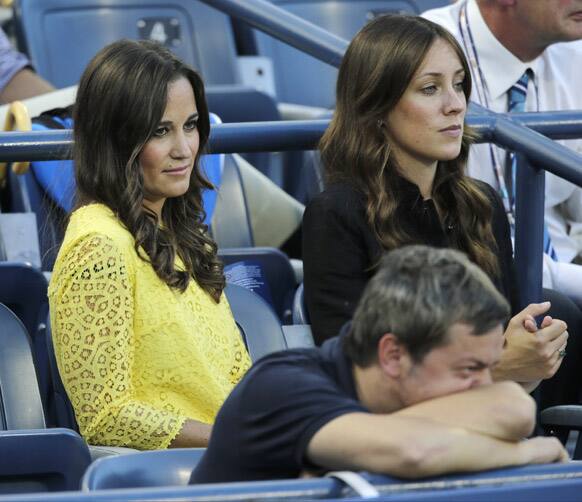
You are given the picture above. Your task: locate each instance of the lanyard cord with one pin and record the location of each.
(478, 78)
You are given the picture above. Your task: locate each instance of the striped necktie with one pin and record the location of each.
(516, 103)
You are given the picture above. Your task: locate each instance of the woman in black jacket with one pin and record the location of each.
(394, 157)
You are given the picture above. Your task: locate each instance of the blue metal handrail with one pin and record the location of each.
(287, 27)
(304, 135)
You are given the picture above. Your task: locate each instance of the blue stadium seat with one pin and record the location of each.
(61, 36)
(32, 458)
(41, 460)
(20, 405)
(238, 103)
(302, 79)
(144, 469)
(300, 314)
(259, 325)
(266, 271)
(23, 289)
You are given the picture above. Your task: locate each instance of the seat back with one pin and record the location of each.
(61, 36)
(238, 103)
(266, 271)
(145, 469)
(259, 325)
(28, 195)
(20, 405)
(302, 79)
(41, 460)
(23, 289)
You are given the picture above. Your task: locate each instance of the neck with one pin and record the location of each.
(155, 207)
(375, 391)
(511, 31)
(421, 176)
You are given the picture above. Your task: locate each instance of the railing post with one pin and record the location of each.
(529, 230)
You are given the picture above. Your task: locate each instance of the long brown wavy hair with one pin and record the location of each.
(375, 72)
(120, 101)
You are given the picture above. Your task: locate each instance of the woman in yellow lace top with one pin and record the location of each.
(144, 338)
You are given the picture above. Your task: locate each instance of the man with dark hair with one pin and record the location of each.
(406, 390)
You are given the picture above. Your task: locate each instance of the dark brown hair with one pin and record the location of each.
(375, 72)
(120, 101)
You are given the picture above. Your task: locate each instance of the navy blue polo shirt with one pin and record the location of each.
(264, 427)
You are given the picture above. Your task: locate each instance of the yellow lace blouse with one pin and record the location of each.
(137, 358)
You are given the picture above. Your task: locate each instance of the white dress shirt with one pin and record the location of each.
(554, 86)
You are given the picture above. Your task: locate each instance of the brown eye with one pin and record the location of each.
(191, 125)
(161, 131)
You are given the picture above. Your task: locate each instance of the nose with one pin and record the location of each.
(181, 146)
(454, 102)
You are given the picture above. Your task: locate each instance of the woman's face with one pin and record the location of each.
(167, 159)
(426, 125)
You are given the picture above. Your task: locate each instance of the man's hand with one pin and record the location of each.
(532, 353)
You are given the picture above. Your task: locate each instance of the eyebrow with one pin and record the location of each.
(194, 116)
(439, 74)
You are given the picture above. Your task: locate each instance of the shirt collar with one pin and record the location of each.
(493, 56)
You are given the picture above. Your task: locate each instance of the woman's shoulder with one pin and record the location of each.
(94, 233)
(97, 219)
(339, 196)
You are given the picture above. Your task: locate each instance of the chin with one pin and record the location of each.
(450, 154)
(177, 191)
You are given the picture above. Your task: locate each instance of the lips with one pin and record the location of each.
(176, 170)
(451, 128)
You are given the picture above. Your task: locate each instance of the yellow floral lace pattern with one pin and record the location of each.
(137, 358)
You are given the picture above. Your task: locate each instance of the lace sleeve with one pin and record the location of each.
(92, 314)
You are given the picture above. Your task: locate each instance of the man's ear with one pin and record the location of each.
(390, 355)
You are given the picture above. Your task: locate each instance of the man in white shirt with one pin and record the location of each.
(503, 39)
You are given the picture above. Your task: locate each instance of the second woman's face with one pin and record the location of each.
(426, 125)
(167, 159)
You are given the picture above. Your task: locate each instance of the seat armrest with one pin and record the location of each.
(298, 336)
(565, 417)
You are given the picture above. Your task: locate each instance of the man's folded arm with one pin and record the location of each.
(413, 447)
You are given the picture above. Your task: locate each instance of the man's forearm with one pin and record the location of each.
(503, 411)
(412, 447)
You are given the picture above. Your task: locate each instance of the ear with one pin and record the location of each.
(391, 355)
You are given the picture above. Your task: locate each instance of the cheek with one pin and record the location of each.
(151, 160)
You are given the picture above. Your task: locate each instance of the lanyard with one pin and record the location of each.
(480, 87)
